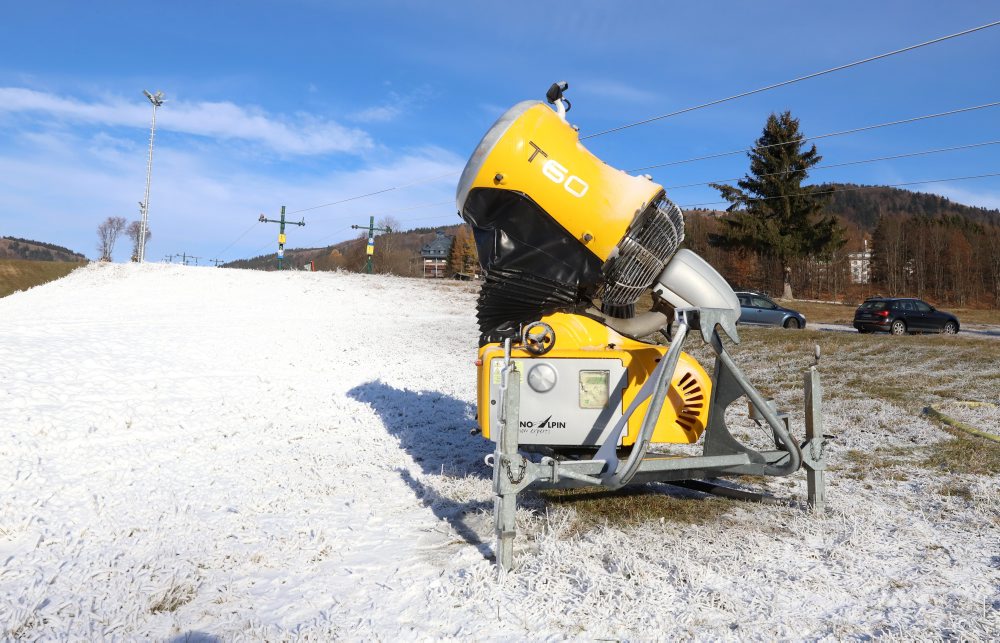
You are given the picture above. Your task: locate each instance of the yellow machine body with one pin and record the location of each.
(581, 340)
(531, 150)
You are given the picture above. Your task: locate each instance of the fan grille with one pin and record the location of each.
(649, 243)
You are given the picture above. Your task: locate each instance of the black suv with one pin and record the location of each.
(901, 315)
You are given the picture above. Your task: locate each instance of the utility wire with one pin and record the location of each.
(816, 138)
(362, 196)
(855, 189)
(385, 212)
(322, 239)
(794, 80)
(243, 234)
(440, 216)
(682, 161)
(844, 164)
(702, 106)
(716, 102)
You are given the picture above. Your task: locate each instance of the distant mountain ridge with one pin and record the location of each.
(396, 252)
(29, 250)
(862, 205)
(857, 205)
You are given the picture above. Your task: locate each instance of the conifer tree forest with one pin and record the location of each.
(779, 235)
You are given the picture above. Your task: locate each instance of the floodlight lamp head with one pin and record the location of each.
(156, 99)
(262, 218)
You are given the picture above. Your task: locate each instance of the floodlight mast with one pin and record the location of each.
(157, 101)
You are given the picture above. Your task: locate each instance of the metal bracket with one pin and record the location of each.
(814, 448)
(722, 453)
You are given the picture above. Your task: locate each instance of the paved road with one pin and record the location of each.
(976, 330)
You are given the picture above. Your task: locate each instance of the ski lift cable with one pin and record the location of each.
(682, 161)
(383, 191)
(854, 189)
(235, 241)
(385, 212)
(670, 163)
(347, 216)
(816, 138)
(794, 80)
(696, 107)
(845, 163)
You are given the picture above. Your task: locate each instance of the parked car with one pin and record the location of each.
(901, 315)
(756, 308)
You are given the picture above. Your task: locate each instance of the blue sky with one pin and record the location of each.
(301, 103)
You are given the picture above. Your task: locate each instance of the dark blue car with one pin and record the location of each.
(758, 309)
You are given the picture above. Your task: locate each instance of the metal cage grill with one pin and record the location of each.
(647, 246)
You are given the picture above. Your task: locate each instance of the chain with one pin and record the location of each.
(520, 471)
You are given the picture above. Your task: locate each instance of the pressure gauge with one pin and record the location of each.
(542, 378)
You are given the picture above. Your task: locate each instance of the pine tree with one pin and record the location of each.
(771, 212)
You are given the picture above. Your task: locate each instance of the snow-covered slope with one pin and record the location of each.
(190, 452)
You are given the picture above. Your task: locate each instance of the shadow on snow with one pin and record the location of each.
(434, 429)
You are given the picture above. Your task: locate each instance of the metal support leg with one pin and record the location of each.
(509, 469)
(813, 451)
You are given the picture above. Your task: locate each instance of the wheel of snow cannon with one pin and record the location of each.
(538, 338)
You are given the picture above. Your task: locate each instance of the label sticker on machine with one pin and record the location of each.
(594, 389)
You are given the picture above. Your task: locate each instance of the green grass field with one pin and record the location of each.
(17, 274)
(872, 384)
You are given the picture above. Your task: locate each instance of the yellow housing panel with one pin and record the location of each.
(684, 415)
(541, 155)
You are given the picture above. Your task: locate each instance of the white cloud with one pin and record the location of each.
(964, 195)
(395, 105)
(201, 200)
(615, 90)
(381, 114)
(302, 135)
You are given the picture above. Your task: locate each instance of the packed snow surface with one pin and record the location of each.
(194, 452)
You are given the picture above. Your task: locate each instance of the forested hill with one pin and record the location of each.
(15, 248)
(396, 252)
(863, 206)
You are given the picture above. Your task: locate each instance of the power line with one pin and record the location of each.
(242, 234)
(845, 163)
(322, 239)
(434, 218)
(709, 104)
(816, 138)
(362, 196)
(696, 107)
(794, 80)
(256, 253)
(855, 189)
(385, 212)
(659, 165)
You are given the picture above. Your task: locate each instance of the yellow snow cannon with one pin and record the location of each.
(567, 367)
